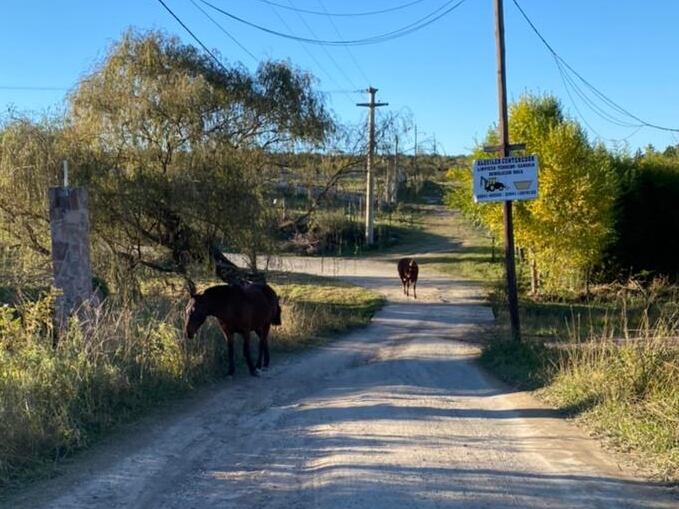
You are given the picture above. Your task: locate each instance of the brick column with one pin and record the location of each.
(70, 229)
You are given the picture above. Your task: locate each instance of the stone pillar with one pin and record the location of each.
(70, 229)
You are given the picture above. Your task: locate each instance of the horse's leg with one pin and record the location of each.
(265, 342)
(415, 289)
(260, 353)
(247, 354)
(408, 288)
(228, 335)
(229, 347)
(263, 356)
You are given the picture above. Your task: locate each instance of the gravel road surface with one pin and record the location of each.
(395, 415)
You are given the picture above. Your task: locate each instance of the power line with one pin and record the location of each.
(569, 82)
(225, 31)
(598, 93)
(344, 14)
(421, 23)
(347, 48)
(195, 37)
(306, 50)
(325, 50)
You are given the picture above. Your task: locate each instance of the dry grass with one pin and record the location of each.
(126, 358)
(627, 392)
(320, 307)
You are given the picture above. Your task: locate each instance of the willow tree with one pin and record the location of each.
(30, 158)
(567, 229)
(177, 147)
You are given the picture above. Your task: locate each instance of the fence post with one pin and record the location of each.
(70, 230)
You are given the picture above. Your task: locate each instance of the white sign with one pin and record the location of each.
(505, 178)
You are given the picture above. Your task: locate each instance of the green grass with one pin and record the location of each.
(469, 262)
(474, 256)
(128, 358)
(315, 308)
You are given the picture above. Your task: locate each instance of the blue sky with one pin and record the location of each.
(444, 74)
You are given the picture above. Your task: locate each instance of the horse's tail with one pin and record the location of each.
(272, 297)
(277, 315)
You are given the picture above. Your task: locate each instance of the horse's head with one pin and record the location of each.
(195, 315)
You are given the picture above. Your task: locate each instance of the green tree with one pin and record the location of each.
(173, 148)
(568, 227)
(646, 215)
(29, 159)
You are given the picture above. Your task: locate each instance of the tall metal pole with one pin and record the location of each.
(370, 177)
(510, 264)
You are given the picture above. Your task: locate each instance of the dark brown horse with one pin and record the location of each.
(408, 271)
(238, 309)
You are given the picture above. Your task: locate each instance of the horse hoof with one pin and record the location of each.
(254, 372)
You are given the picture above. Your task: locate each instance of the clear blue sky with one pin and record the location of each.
(444, 74)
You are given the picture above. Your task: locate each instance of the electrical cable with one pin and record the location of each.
(306, 50)
(325, 50)
(566, 80)
(421, 23)
(346, 48)
(195, 37)
(241, 46)
(598, 93)
(590, 103)
(344, 14)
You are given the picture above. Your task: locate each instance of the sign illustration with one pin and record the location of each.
(505, 178)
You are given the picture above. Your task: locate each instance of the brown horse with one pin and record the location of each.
(408, 271)
(238, 309)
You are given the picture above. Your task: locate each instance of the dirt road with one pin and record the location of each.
(396, 415)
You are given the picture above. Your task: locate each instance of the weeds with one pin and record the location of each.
(123, 358)
(626, 390)
(609, 357)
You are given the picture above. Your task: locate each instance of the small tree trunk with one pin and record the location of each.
(534, 282)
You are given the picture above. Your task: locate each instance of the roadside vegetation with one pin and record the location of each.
(183, 159)
(128, 357)
(625, 391)
(598, 294)
(610, 360)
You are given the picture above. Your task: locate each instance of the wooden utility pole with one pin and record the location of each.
(394, 176)
(510, 264)
(370, 177)
(416, 171)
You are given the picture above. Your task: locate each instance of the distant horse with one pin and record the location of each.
(408, 271)
(238, 309)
